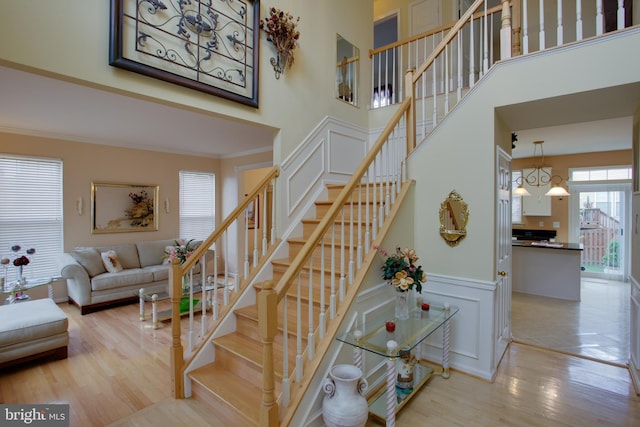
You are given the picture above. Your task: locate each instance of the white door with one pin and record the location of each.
(502, 299)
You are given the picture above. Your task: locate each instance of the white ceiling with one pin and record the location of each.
(38, 105)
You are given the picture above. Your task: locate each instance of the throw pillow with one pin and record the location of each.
(111, 262)
(89, 258)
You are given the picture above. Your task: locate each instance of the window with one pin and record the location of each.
(197, 206)
(31, 214)
(516, 201)
(601, 174)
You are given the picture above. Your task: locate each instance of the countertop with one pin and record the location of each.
(547, 245)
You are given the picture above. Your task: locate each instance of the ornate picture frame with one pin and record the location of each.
(122, 208)
(212, 49)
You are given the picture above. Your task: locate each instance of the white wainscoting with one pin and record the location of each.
(325, 156)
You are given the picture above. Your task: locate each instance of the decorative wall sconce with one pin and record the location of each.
(281, 29)
(79, 205)
(166, 205)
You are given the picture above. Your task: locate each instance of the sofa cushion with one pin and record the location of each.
(127, 277)
(111, 262)
(160, 272)
(153, 252)
(127, 254)
(90, 259)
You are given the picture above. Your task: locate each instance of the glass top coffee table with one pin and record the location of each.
(16, 291)
(390, 338)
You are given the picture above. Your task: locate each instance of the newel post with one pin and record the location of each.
(505, 30)
(267, 328)
(411, 112)
(177, 358)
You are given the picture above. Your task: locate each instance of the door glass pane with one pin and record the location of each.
(601, 220)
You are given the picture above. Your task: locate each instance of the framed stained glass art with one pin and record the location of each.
(206, 45)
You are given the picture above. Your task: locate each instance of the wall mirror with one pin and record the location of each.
(347, 67)
(454, 215)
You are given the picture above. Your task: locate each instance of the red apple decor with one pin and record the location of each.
(425, 306)
(390, 325)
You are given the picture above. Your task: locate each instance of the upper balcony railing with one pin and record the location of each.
(536, 25)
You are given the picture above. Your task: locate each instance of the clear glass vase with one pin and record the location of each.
(402, 305)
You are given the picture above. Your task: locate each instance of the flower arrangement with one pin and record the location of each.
(401, 271)
(181, 250)
(281, 29)
(19, 261)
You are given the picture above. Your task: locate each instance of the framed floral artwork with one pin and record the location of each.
(200, 44)
(117, 208)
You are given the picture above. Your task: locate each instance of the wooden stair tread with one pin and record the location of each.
(250, 350)
(238, 393)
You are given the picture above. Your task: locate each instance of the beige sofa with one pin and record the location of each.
(91, 287)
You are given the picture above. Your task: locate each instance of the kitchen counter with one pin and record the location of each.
(552, 245)
(550, 269)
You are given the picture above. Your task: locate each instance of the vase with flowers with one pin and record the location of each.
(282, 32)
(182, 251)
(401, 271)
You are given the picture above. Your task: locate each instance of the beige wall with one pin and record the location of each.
(560, 165)
(84, 163)
(71, 42)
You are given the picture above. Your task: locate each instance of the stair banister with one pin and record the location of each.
(306, 251)
(177, 271)
(291, 277)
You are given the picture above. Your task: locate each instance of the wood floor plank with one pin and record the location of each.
(117, 374)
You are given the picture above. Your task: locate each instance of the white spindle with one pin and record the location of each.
(343, 272)
(435, 97)
(310, 341)
(599, 18)
(263, 227)
(359, 254)
(374, 208)
(560, 29)
(578, 19)
(273, 213)
(621, 13)
(246, 243)
(525, 28)
(351, 242)
(299, 358)
(541, 34)
(322, 316)
(367, 233)
(485, 61)
(256, 232)
(459, 61)
(286, 392)
(446, 79)
(332, 299)
(472, 52)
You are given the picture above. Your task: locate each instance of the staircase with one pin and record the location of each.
(232, 384)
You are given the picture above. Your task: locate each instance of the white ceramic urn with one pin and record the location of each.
(344, 404)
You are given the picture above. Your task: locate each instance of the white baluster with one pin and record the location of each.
(621, 13)
(560, 26)
(541, 34)
(525, 28)
(599, 18)
(391, 384)
(578, 19)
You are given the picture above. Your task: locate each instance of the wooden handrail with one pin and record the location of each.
(447, 38)
(198, 253)
(305, 253)
(427, 33)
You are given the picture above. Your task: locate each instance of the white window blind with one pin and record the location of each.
(31, 214)
(197, 205)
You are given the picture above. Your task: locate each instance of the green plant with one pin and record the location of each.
(612, 257)
(401, 271)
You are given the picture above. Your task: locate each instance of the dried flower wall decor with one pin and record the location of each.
(281, 29)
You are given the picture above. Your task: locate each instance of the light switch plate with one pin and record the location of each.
(556, 224)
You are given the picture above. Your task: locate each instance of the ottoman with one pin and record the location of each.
(32, 329)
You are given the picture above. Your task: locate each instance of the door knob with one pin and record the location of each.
(502, 273)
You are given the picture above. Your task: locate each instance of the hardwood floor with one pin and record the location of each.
(116, 374)
(596, 327)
